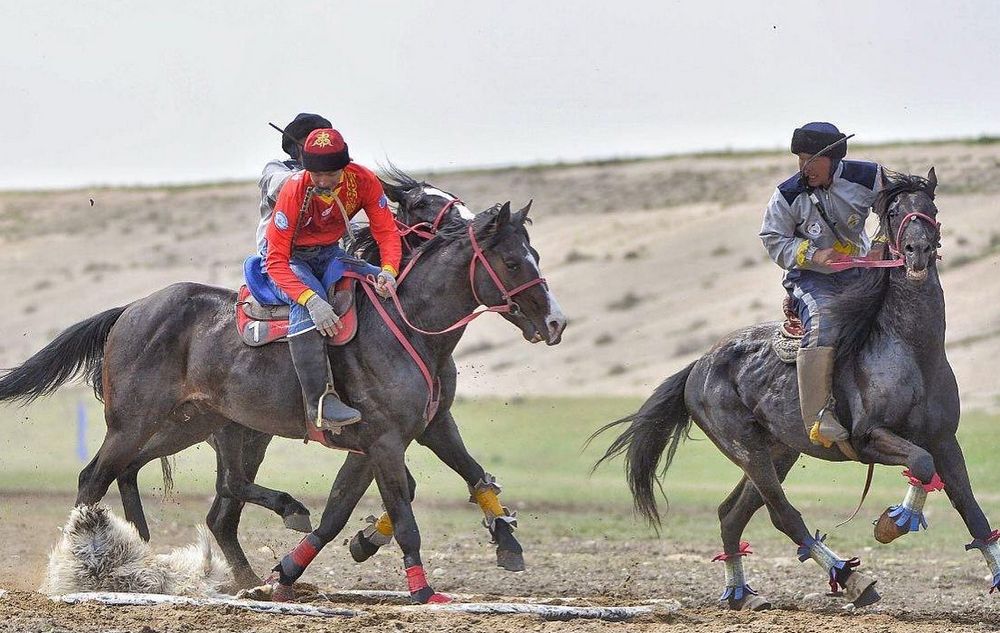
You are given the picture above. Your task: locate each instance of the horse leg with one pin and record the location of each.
(367, 541)
(734, 514)
(885, 447)
(117, 452)
(388, 460)
(168, 440)
(444, 439)
(951, 462)
(750, 452)
(352, 480)
(243, 450)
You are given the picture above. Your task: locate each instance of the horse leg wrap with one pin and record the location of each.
(296, 561)
(736, 583)
(420, 590)
(990, 549)
(379, 531)
(485, 495)
(908, 516)
(837, 568)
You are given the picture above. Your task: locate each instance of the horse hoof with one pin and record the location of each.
(361, 548)
(282, 593)
(298, 522)
(886, 530)
(860, 590)
(509, 560)
(749, 602)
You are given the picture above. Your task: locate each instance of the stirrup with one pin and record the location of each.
(329, 425)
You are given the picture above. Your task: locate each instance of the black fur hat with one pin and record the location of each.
(299, 129)
(811, 138)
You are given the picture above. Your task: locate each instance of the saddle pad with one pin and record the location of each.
(785, 345)
(260, 324)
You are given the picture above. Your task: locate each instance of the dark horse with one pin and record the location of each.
(892, 382)
(421, 210)
(173, 364)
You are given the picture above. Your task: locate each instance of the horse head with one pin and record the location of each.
(511, 274)
(909, 221)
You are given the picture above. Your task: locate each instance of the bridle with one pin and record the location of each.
(896, 258)
(426, 230)
(509, 306)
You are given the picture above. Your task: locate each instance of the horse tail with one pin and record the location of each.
(659, 424)
(78, 348)
(168, 476)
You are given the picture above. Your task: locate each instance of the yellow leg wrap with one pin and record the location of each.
(818, 438)
(489, 502)
(384, 525)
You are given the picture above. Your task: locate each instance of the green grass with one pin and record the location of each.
(535, 447)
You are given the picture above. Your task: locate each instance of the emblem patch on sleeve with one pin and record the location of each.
(281, 220)
(853, 220)
(383, 202)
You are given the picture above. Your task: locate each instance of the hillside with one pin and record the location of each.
(652, 261)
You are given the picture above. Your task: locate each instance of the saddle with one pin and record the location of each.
(788, 336)
(262, 323)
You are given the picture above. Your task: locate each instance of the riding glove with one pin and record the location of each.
(385, 284)
(323, 316)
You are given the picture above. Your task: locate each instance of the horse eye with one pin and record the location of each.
(511, 265)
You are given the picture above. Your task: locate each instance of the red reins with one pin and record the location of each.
(897, 257)
(368, 283)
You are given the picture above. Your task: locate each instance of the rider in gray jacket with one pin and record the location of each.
(814, 218)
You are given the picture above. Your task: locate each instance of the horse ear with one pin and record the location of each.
(503, 216)
(393, 192)
(523, 213)
(932, 182)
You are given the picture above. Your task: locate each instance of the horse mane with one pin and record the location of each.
(858, 310)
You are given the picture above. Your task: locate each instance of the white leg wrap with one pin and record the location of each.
(992, 555)
(734, 572)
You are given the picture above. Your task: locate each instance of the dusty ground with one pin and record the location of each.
(652, 261)
(923, 590)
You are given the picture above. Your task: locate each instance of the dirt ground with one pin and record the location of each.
(923, 589)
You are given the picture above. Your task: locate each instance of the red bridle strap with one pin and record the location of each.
(897, 257)
(478, 256)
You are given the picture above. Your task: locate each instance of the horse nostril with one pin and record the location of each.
(909, 248)
(927, 249)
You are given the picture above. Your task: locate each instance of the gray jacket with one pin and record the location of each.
(793, 229)
(275, 173)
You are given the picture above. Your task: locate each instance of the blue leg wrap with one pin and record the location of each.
(907, 519)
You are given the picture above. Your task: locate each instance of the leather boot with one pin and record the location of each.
(815, 372)
(309, 356)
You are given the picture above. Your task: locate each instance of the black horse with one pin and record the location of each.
(421, 209)
(893, 383)
(171, 366)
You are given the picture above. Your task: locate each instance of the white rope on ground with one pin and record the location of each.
(147, 599)
(3, 592)
(546, 611)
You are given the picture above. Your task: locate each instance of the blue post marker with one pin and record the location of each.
(81, 431)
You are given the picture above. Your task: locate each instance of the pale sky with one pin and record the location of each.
(181, 91)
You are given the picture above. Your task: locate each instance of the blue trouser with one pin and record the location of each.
(812, 295)
(318, 267)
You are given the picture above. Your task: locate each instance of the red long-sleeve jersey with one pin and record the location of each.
(323, 225)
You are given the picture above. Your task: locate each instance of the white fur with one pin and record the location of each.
(462, 209)
(555, 310)
(100, 552)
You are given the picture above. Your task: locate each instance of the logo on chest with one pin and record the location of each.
(853, 221)
(814, 230)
